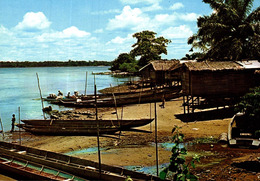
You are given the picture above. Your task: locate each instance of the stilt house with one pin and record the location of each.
(161, 72)
(216, 80)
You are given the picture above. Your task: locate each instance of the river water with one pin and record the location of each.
(19, 88)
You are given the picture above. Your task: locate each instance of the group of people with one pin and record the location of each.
(76, 94)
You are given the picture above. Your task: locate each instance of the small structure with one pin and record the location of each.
(219, 83)
(161, 72)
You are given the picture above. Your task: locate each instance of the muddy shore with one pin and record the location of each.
(218, 161)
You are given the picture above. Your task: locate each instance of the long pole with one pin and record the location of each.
(40, 94)
(19, 112)
(2, 128)
(150, 115)
(156, 141)
(86, 83)
(114, 102)
(98, 123)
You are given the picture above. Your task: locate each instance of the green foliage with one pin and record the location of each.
(148, 47)
(250, 104)
(193, 56)
(177, 165)
(232, 31)
(125, 62)
(69, 63)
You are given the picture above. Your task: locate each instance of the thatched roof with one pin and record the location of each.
(213, 66)
(163, 65)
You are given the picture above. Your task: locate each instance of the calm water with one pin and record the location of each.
(19, 88)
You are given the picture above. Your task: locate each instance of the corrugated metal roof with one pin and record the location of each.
(250, 64)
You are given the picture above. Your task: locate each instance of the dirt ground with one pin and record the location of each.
(218, 161)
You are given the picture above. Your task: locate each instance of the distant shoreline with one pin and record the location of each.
(70, 63)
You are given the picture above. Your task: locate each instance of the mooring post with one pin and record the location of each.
(98, 124)
(19, 113)
(2, 128)
(40, 94)
(86, 83)
(156, 141)
(114, 102)
(150, 116)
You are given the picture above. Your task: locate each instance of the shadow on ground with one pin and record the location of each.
(207, 115)
(253, 166)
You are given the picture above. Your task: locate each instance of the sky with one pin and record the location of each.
(48, 30)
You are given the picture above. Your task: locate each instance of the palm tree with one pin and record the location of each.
(232, 31)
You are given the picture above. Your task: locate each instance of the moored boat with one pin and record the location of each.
(120, 100)
(81, 168)
(80, 127)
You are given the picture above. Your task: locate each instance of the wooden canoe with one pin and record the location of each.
(135, 98)
(29, 170)
(79, 167)
(80, 127)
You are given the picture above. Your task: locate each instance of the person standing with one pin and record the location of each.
(13, 121)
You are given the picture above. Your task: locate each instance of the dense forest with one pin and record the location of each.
(69, 63)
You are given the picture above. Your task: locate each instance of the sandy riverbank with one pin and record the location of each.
(133, 147)
(136, 149)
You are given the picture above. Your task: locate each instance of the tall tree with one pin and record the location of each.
(232, 31)
(125, 62)
(148, 47)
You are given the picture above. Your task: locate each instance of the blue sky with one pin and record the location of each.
(40, 30)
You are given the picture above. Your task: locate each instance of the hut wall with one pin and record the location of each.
(217, 83)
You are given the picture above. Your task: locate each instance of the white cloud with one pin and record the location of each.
(33, 22)
(119, 40)
(181, 31)
(176, 6)
(71, 32)
(99, 30)
(111, 11)
(133, 19)
(153, 7)
(189, 16)
(140, 1)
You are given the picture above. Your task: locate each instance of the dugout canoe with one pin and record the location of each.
(78, 167)
(110, 101)
(80, 127)
(24, 169)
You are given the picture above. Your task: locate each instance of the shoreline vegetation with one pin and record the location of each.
(69, 63)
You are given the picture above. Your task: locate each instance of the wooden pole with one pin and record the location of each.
(156, 139)
(150, 116)
(114, 102)
(19, 112)
(40, 94)
(2, 128)
(98, 124)
(86, 83)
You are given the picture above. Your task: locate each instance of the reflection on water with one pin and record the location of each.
(19, 88)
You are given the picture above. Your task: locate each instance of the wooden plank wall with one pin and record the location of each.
(224, 83)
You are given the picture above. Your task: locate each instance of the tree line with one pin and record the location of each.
(69, 63)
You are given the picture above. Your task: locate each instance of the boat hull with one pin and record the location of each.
(79, 167)
(80, 127)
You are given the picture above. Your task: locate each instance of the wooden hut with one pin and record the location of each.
(216, 81)
(161, 72)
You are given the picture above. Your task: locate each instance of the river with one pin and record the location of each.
(19, 88)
